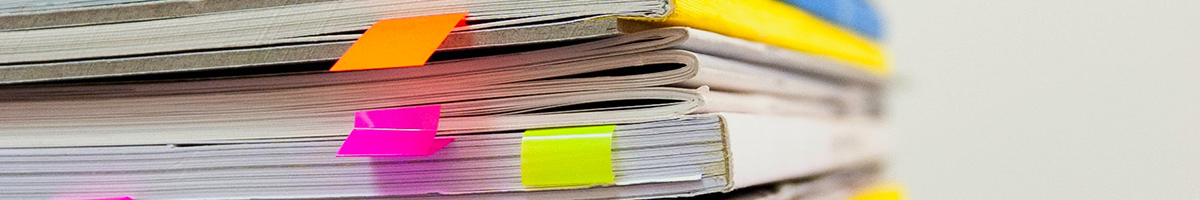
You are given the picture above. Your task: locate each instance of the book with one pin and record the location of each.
(621, 79)
(857, 15)
(668, 158)
(253, 35)
(268, 23)
(317, 50)
(777, 23)
(839, 184)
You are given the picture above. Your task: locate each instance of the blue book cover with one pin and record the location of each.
(857, 15)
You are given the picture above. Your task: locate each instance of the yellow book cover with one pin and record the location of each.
(780, 24)
(880, 191)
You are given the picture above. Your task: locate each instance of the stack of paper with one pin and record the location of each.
(494, 99)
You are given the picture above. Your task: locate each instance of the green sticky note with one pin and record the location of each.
(563, 157)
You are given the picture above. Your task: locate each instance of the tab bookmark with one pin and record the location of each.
(403, 42)
(407, 131)
(565, 157)
(113, 198)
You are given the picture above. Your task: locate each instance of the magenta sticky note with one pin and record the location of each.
(387, 143)
(417, 117)
(114, 198)
(408, 131)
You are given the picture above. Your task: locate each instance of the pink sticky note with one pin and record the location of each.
(407, 131)
(417, 117)
(387, 143)
(114, 198)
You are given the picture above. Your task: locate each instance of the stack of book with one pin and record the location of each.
(441, 99)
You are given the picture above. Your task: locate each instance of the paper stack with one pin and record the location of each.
(444, 99)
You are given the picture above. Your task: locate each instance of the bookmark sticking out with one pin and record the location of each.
(565, 157)
(407, 131)
(114, 198)
(403, 42)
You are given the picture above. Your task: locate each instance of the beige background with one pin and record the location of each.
(1037, 99)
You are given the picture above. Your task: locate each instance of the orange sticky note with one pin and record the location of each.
(401, 42)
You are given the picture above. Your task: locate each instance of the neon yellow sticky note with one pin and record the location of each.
(565, 157)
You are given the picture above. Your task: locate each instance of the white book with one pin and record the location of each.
(617, 80)
(153, 27)
(686, 156)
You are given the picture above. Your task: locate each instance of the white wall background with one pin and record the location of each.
(1046, 99)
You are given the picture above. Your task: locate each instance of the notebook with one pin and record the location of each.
(252, 34)
(686, 156)
(290, 53)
